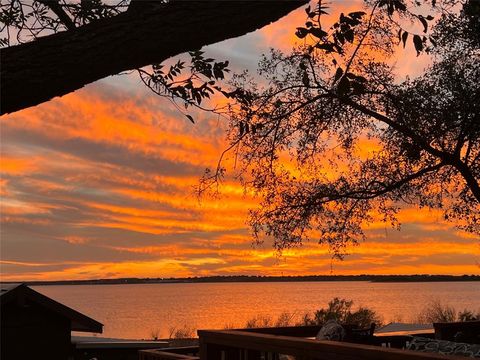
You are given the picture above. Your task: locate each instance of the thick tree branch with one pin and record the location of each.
(368, 194)
(356, 195)
(447, 158)
(470, 179)
(58, 64)
(404, 130)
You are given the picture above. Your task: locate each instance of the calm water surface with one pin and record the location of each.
(135, 311)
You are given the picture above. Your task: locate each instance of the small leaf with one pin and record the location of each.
(328, 47)
(399, 5)
(301, 32)
(317, 32)
(338, 48)
(404, 38)
(343, 86)
(417, 41)
(190, 118)
(360, 79)
(424, 23)
(356, 14)
(305, 79)
(338, 73)
(339, 36)
(350, 75)
(390, 8)
(349, 35)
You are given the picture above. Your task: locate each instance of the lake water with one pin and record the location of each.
(139, 311)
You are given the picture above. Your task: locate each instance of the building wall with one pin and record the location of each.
(29, 331)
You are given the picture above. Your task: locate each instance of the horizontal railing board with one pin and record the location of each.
(296, 331)
(314, 349)
(182, 349)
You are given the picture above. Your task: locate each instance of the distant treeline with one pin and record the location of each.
(246, 278)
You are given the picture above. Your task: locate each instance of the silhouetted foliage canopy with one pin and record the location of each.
(341, 310)
(331, 139)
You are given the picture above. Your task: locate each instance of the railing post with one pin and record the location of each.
(209, 351)
(253, 355)
(231, 353)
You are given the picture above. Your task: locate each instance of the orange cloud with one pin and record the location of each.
(110, 170)
(17, 165)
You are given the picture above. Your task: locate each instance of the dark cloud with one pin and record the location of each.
(28, 268)
(412, 233)
(21, 245)
(100, 152)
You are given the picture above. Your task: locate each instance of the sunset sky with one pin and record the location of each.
(99, 184)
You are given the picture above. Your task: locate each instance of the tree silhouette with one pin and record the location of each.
(332, 142)
(102, 40)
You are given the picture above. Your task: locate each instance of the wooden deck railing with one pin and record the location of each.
(269, 343)
(248, 345)
(295, 331)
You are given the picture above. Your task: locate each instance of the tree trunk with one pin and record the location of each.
(58, 64)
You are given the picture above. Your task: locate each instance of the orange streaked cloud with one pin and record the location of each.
(99, 183)
(17, 165)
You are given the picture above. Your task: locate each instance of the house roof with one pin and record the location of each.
(404, 328)
(21, 292)
(90, 342)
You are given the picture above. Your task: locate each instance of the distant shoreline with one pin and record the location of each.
(245, 278)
